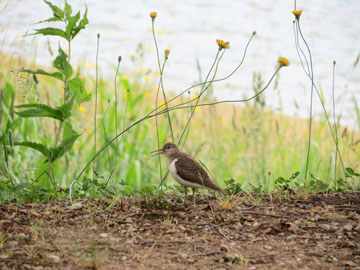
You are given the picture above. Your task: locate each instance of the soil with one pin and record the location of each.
(319, 231)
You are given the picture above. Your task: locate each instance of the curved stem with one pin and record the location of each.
(156, 118)
(335, 125)
(96, 90)
(202, 91)
(150, 115)
(116, 111)
(161, 84)
(322, 102)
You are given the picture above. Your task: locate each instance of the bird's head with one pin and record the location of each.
(167, 150)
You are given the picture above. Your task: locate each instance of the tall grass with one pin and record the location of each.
(249, 146)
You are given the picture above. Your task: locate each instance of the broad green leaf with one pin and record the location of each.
(68, 131)
(36, 146)
(70, 27)
(61, 63)
(66, 108)
(68, 10)
(351, 172)
(84, 21)
(51, 31)
(43, 175)
(65, 146)
(77, 88)
(40, 110)
(56, 75)
(58, 13)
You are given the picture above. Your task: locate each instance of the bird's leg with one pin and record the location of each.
(193, 195)
(185, 195)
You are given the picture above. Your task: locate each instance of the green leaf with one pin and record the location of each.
(40, 110)
(51, 31)
(8, 94)
(77, 88)
(56, 75)
(61, 63)
(52, 19)
(70, 27)
(36, 146)
(351, 172)
(58, 12)
(68, 10)
(65, 146)
(66, 108)
(43, 173)
(68, 131)
(84, 21)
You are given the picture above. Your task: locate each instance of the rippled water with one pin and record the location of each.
(190, 28)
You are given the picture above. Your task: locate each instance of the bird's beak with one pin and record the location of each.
(157, 152)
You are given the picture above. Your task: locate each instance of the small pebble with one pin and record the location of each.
(103, 235)
(12, 244)
(75, 206)
(54, 258)
(21, 236)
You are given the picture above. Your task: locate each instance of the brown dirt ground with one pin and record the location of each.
(319, 231)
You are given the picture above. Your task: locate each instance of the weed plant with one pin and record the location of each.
(92, 137)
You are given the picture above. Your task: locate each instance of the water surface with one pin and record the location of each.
(189, 29)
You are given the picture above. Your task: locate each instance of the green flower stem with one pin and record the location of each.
(96, 90)
(203, 89)
(152, 114)
(116, 110)
(335, 125)
(298, 29)
(156, 118)
(161, 79)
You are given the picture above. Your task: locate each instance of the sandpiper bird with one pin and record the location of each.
(187, 171)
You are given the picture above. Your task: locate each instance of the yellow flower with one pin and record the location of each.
(153, 15)
(89, 132)
(197, 109)
(147, 94)
(283, 61)
(222, 44)
(297, 13)
(223, 120)
(124, 96)
(24, 75)
(160, 31)
(167, 52)
(148, 78)
(81, 109)
(17, 36)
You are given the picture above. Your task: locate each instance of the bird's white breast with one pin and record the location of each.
(183, 182)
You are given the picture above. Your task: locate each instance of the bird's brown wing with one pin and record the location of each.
(191, 170)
